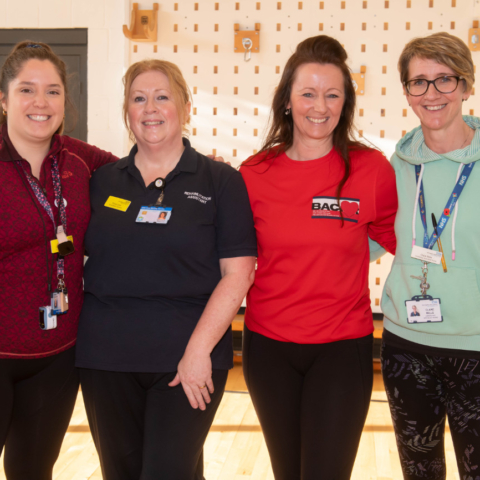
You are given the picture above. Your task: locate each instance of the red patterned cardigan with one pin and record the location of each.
(23, 257)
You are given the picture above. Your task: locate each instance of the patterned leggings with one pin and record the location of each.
(422, 390)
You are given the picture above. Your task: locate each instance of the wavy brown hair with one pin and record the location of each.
(321, 49)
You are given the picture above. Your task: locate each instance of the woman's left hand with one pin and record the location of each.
(194, 372)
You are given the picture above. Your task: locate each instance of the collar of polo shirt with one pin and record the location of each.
(187, 162)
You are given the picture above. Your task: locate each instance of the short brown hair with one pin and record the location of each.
(443, 48)
(180, 90)
(23, 52)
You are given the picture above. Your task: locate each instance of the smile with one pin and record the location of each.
(149, 124)
(317, 121)
(433, 108)
(39, 118)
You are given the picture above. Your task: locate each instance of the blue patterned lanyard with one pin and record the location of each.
(57, 188)
(429, 242)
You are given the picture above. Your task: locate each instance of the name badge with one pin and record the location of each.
(117, 203)
(154, 214)
(426, 255)
(423, 310)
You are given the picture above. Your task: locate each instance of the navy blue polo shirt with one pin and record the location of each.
(146, 285)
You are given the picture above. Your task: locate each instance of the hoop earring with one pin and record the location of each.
(4, 113)
(287, 111)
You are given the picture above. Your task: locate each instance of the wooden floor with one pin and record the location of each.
(235, 449)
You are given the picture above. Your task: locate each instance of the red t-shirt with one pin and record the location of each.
(311, 283)
(23, 256)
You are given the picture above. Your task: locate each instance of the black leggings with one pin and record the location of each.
(37, 397)
(422, 390)
(312, 401)
(144, 429)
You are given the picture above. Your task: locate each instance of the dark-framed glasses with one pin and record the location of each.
(445, 84)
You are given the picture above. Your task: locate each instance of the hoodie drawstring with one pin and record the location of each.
(459, 172)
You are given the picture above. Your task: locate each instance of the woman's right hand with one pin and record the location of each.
(194, 372)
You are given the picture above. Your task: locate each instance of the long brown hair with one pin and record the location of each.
(23, 52)
(324, 50)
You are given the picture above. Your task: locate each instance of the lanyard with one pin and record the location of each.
(429, 242)
(57, 187)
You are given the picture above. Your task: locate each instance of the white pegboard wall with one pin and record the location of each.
(232, 98)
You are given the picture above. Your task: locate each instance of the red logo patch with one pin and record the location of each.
(67, 174)
(329, 208)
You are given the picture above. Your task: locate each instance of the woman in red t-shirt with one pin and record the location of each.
(317, 196)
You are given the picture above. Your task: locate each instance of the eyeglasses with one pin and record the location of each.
(419, 86)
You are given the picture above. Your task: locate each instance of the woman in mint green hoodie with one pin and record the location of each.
(431, 360)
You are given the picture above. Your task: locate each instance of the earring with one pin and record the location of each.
(287, 111)
(464, 99)
(4, 113)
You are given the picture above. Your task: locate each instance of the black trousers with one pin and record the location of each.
(37, 397)
(312, 401)
(145, 430)
(422, 391)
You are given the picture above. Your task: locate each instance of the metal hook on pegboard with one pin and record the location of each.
(247, 41)
(247, 45)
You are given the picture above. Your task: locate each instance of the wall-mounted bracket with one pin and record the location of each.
(246, 41)
(358, 80)
(143, 25)
(474, 37)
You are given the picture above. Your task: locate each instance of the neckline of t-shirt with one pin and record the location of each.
(307, 163)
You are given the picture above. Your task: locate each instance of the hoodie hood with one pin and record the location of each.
(412, 148)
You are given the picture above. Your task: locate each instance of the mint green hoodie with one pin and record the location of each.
(459, 288)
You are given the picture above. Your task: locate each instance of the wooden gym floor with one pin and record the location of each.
(235, 449)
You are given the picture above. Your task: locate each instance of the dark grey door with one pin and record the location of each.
(71, 46)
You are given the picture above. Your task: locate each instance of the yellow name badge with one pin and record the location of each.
(118, 203)
(54, 244)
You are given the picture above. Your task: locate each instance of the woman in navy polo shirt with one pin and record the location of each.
(154, 339)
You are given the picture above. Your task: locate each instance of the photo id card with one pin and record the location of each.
(154, 214)
(423, 310)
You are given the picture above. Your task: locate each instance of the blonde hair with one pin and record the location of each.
(28, 50)
(180, 90)
(443, 48)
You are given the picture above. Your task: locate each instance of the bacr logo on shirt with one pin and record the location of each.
(327, 207)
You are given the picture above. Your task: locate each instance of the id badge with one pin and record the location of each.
(48, 321)
(426, 255)
(59, 302)
(154, 214)
(423, 310)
